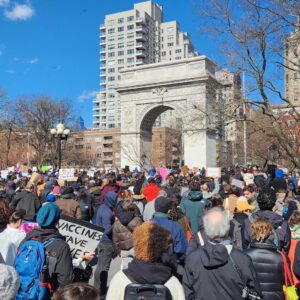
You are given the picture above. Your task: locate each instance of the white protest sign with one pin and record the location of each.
(80, 235)
(213, 172)
(4, 174)
(90, 173)
(237, 183)
(66, 173)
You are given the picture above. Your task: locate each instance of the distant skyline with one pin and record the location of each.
(51, 47)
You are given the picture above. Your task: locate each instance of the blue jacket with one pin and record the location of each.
(180, 243)
(105, 217)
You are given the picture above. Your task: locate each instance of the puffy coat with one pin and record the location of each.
(69, 206)
(268, 265)
(279, 225)
(193, 206)
(122, 235)
(209, 273)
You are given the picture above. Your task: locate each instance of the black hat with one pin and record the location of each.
(162, 204)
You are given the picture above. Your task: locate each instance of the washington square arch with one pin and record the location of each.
(184, 86)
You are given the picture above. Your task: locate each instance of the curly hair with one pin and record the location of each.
(261, 229)
(151, 241)
(294, 218)
(266, 198)
(124, 195)
(77, 291)
(5, 213)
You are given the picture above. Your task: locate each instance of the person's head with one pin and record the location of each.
(30, 188)
(226, 187)
(124, 195)
(204, 187)
(151, 180)
(249, 192)
(260, 229)
(151, 241)
(127, 205)
(112, 180)
(171, 181)
(195, 186)
(162, 204)
(51, 198)
(216, 224)
(235, 190)
(9, 282)
(5, 213)
(266, 198)
(48, 215)
(17, 217)
(77, 291)
(294, 218)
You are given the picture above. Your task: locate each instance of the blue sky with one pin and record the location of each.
(51, 47)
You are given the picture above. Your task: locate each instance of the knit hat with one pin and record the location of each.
(162, 204)
(279, 173)
(48, 215)
(51, 198)
(9, 282)
(56, 191)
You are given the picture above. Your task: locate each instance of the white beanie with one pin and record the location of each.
(9, 282)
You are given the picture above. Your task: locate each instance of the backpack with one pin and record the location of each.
(32, 263)
(134, 291)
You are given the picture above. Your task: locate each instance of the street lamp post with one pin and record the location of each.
(60, 133)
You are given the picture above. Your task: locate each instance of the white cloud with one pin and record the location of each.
(86, 95)
(20, 12)
(32, 61)
(4, 3)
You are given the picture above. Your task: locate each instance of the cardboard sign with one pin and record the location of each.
(34, 179)
(185, 170)
(66, 173)
(80, 235)
(213, 172)
(237, 183)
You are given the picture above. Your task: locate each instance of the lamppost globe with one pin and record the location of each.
(66, 132)
(60, 126)
(53, 131)
(60, 130)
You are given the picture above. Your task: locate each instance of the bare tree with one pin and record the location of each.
(253, 35)
(37, 116)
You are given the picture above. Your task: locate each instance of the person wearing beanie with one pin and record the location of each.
(50, 198)
(67, 203)
(9, 282)
(266, 200)
(47, 219)
(161, 217)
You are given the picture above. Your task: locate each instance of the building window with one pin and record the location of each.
(170, 44)
(111, 39)
(111, 70)
(111, 96)
(120, 53)
(111, 62)
(130, 51)
(111, 54)
(170, 29)
(111, 125)
(120, 37)
(120, 29)
(110, 47)
(111, 78)
(170, 37)
(178, 51)
(130, 35)
(178, 57)
(121, 45)
(129, 44)
(130, 27)
(112, 30)
(163, 53)
(121, 20)
(120, 61)
(130, 18)
(120, 68)
(170, 52)
(130, 59)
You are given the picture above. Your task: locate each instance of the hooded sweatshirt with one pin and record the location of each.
(105, 217)
(209, 273)
(193, 206)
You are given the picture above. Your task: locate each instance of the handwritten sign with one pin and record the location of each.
(90, 173)
(213, 172)
(237, 183)
(66, 173)
(4, 174)
(80, 235)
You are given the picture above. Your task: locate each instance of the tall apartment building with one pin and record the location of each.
(128, 39)
(292, 70)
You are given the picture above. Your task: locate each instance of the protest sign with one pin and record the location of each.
(4, 174)
(44, 168)
(11, 169)
(237, 183)
(185, 170)
(90, 173)
(66, 173)
(34, 179)
(213, 172)
(80, 235)
(34, 169)
(164, 172)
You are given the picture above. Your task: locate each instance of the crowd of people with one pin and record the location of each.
(180, 236)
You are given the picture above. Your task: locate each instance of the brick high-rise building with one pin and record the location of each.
(128, 39)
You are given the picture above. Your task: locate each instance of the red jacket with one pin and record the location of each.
(151, 191)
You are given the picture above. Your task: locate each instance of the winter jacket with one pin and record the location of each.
(236, 228)
(179, 240)
(105, 216)
(209, 273)
(59, 249)
(268, 265)
(193, 206)
(28, 201)
(149, 210)
(69, 206)
(95, 193)
(208, 195)
(279, 225)
(145, 273)
(122, 234)
(151, 191)
(108, 188)
(44, 193)
(86, 207)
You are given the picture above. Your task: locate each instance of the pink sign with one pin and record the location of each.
(28, 226)
(164, 172)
